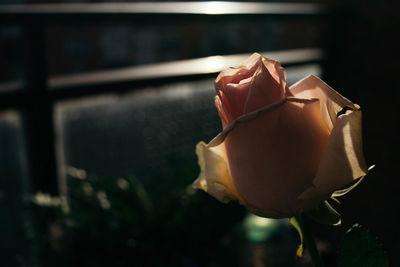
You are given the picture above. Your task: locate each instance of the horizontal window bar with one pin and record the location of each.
(189, 67)
(162, 8)
(127, 79)
(8, 86)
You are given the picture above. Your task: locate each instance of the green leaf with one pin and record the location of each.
(325, 214)
(342, 192)
(360, 248)
(296, 224)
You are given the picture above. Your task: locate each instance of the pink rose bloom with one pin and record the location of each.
(282, 150)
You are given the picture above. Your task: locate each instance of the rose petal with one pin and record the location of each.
(221, 112)
(343, 160)
(249, 116)
(225, 105)
(251, 61)
(331, 101)
(259, 163)
(284, 88)
(264, 90)
(273, 68)
(214, 176)
(235, 75)
(236, 95)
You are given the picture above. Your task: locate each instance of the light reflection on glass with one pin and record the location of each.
(216, 7)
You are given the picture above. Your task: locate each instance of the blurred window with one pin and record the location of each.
(13, 188)
(112, 121)
(12, 57)
(108, 45)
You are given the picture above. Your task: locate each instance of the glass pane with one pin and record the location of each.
(140, 134)
(89, 47)
(13, 190)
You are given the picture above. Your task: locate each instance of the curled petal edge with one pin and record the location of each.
(331, 101)
(214, 177)
(343, 161)
(344, 191)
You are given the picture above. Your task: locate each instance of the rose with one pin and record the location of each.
(282, 150)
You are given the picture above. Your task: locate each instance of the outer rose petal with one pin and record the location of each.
(343, 160)
(331, 101)
(214, 176)
(273, 163)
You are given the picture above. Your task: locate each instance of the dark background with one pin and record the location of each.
(365, 67)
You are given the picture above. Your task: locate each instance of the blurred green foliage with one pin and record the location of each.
(360, 248)
(120, 222)
(157, 221)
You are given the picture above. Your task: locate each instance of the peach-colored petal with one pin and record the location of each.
(273, 68)
(251, 61)
(248, 116)
(331, 101)
(221, 112)
(284, 88)
(260, 154)
(236, 95)
(264, 90)
(214, 176)
(235, 75)
(342, 162)
(279, 74)
(225, 105)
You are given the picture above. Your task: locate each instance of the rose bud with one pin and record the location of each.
(282, 150)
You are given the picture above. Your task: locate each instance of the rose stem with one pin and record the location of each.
(309, 240)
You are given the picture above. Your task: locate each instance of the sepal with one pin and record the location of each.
(342, 192)
(297, 225)
(325, 214)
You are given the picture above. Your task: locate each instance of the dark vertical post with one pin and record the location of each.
(337, 45)
(38, 113)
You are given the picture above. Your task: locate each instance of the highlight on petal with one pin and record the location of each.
(225, 105)
(331, 101)
(284, 88)
(222, 112)
(273, 67)
(343, 160)
(214, 177)
(236, 74)
(251, 61)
